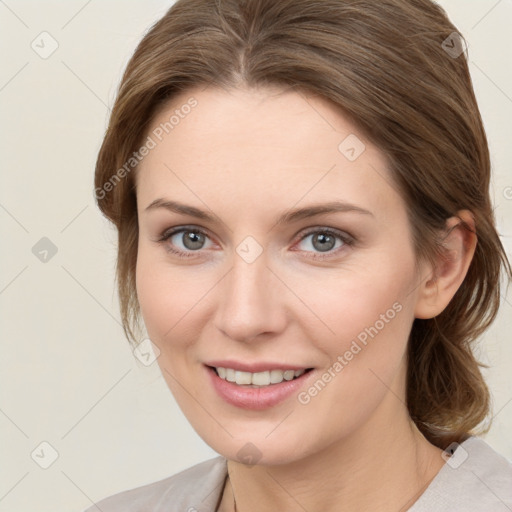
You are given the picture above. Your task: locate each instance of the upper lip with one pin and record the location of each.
(254, 367)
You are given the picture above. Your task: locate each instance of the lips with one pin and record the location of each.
(255, 366)
(254, 396)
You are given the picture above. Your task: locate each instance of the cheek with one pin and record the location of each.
(371, 319)
(360, 304)
(162, 295)
(175, 303)
(367, 315)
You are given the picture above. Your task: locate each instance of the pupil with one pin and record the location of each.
(326, 242)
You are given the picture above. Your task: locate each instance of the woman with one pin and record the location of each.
(301, 192)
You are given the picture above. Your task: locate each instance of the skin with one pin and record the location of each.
(246, 156)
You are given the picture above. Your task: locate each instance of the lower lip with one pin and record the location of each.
(256, 398)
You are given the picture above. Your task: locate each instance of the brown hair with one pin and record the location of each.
(391, 66)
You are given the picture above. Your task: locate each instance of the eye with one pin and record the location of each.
(324, 242)
(184, 241)
(189, 241)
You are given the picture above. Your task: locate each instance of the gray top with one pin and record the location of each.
(474, 479)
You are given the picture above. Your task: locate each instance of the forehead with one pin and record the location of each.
(261, 147)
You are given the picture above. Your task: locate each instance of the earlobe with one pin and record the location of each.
(438, 288)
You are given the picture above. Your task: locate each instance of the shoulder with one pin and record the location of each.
(196, 489)
(474, 479)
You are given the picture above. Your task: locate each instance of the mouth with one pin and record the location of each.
(257, 379)
(259, 390)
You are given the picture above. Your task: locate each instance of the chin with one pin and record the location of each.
(261, 448)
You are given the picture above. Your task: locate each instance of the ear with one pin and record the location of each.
(437, 290)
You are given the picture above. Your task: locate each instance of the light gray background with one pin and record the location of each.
(68, 376)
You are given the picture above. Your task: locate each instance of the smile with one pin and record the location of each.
(257, 390)
(258, 379)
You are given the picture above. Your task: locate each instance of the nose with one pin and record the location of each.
(251, 301)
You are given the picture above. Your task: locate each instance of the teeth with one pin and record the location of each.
(276, 376)
(289, 374)
(243, 377)
(259, 378)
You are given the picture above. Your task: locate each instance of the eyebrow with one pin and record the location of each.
(287, 217)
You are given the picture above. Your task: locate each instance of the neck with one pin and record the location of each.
(385, 466)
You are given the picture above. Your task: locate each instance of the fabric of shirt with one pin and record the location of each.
(475, 478)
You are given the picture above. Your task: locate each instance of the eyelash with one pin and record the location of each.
(345, 238)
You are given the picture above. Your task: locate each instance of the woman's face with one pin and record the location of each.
(273, 238)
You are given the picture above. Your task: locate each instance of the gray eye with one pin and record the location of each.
(190, 240)
(323, 241)
(320, 241)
